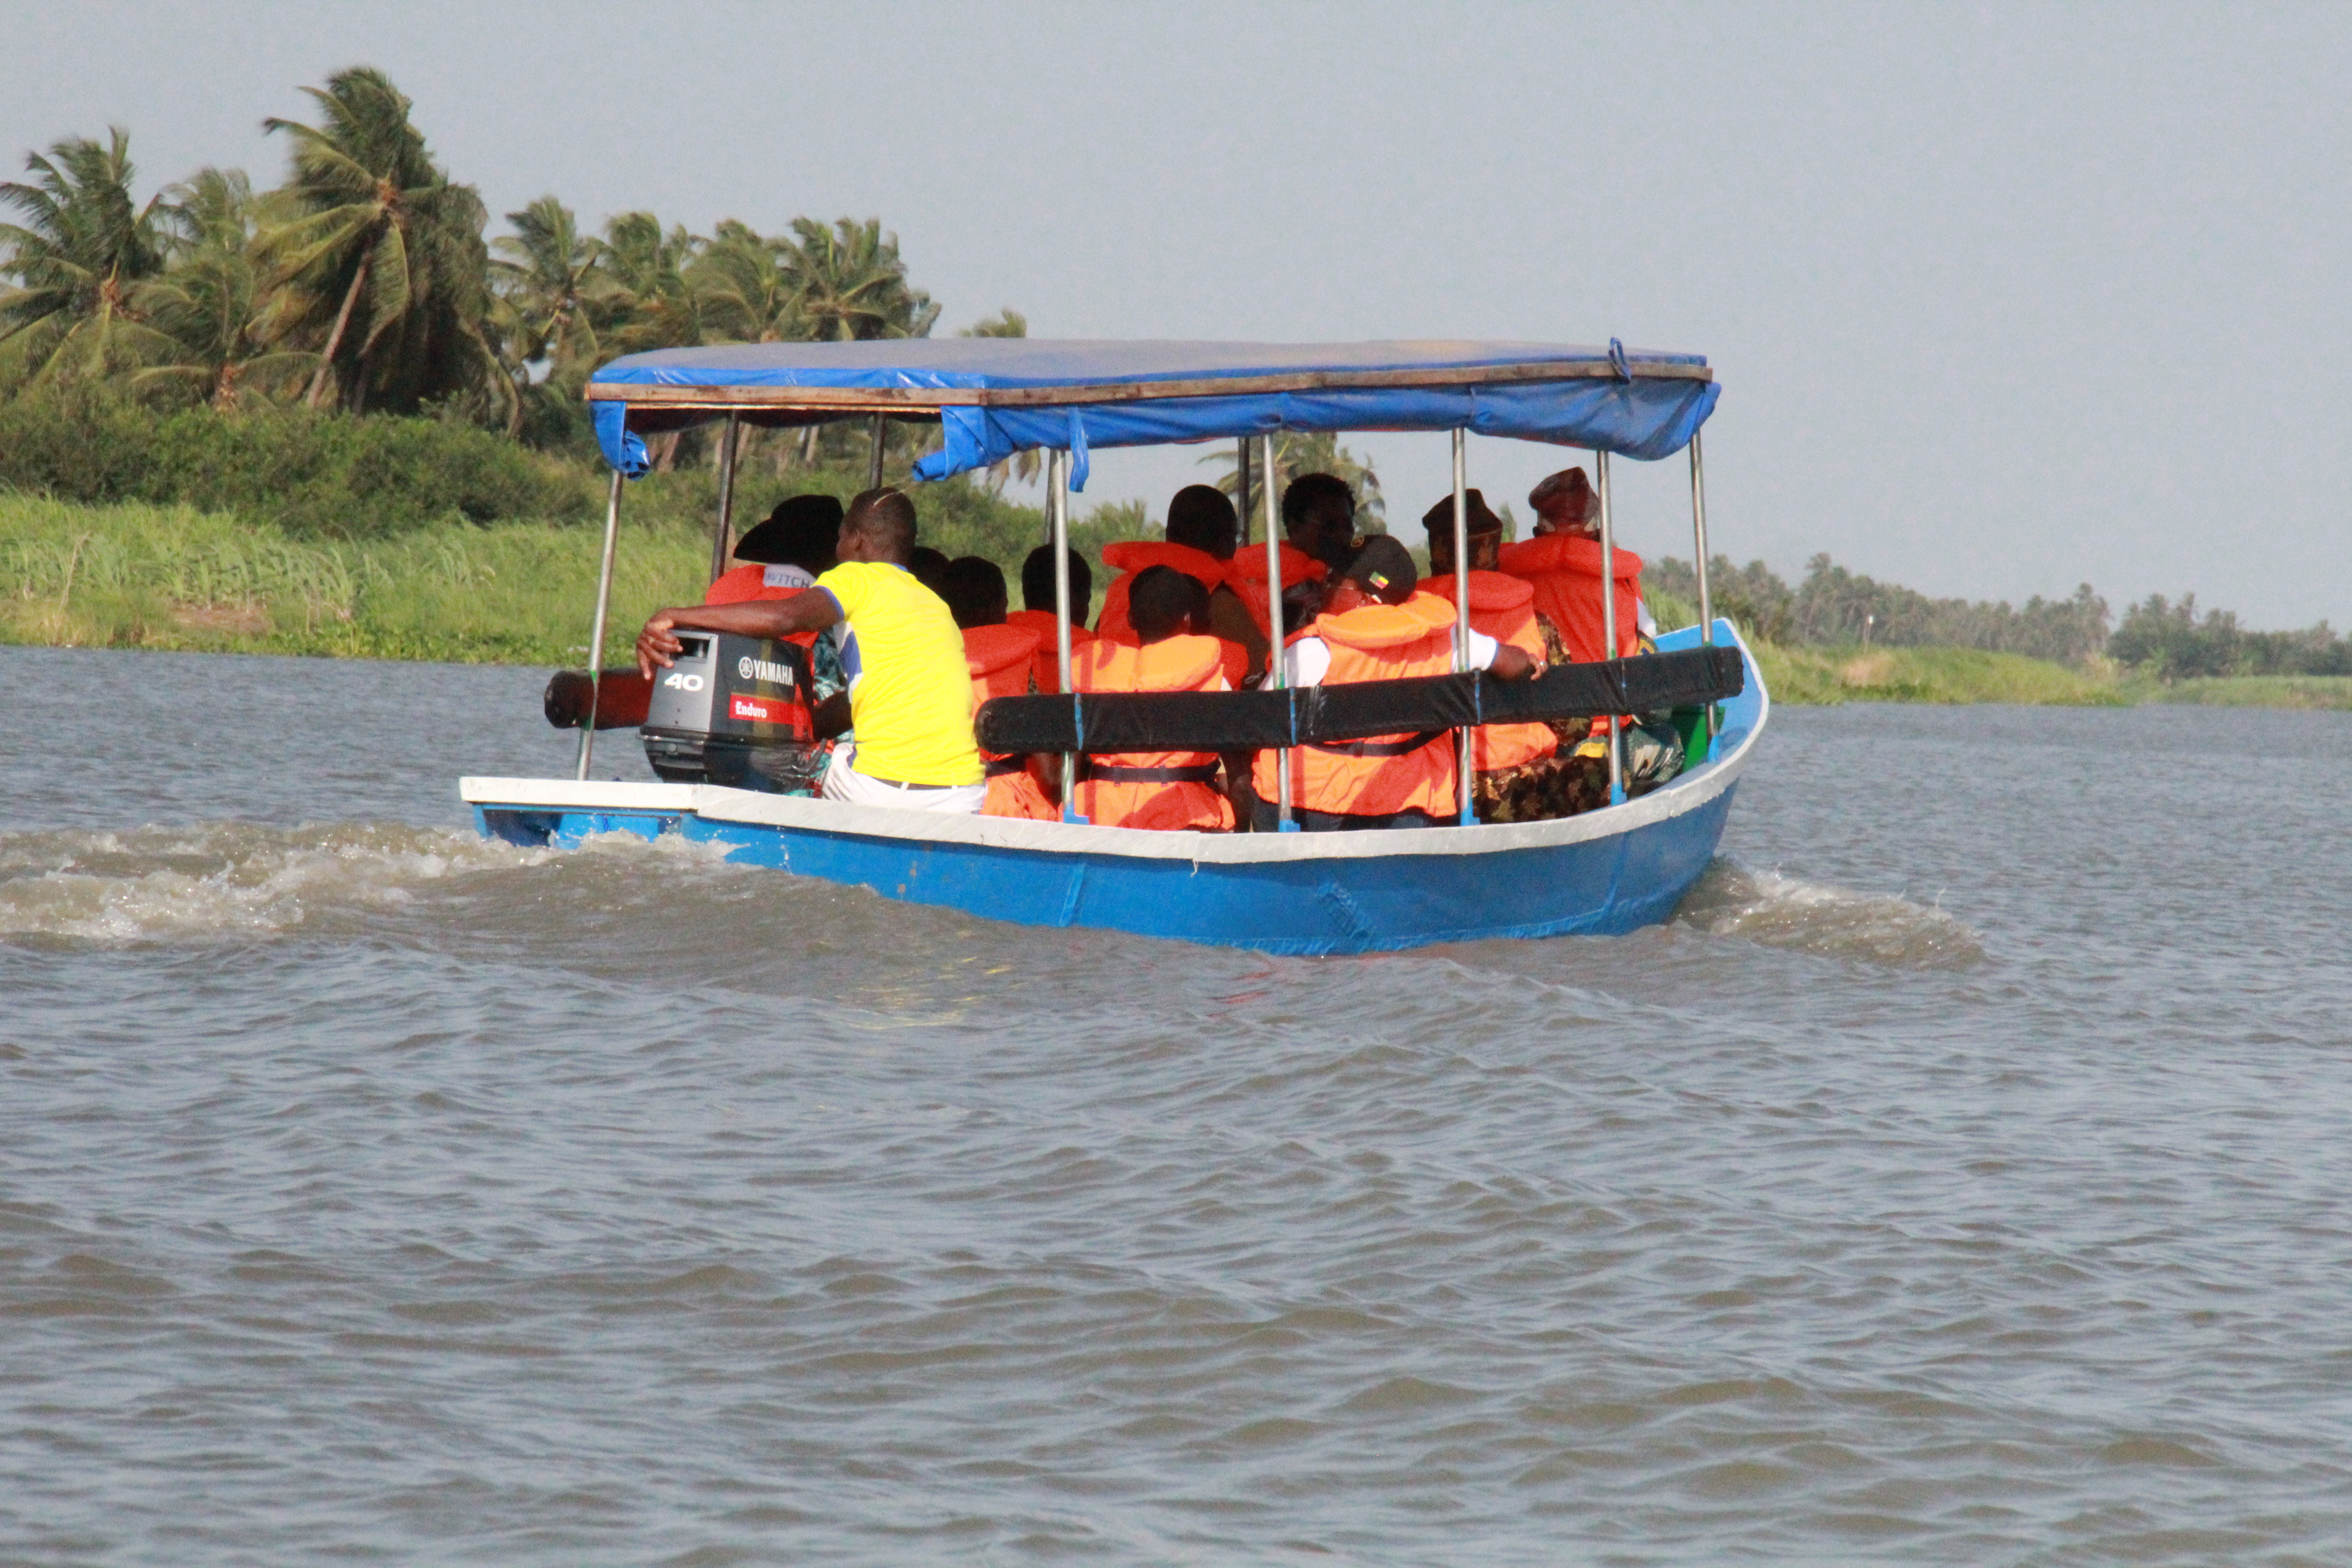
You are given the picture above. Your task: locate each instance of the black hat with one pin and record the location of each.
(1384, 569)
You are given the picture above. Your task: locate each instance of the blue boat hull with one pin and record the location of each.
(1607, 872)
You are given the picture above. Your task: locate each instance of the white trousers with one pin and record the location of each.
(844, 783)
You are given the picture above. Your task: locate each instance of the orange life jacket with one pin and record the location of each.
(742, 584)
(1170, 791)
(1245, 575)
(1130, 557)
(999, 658)
(1382, 774)
(1048, 662)
(1564, 568)
(1503, 608)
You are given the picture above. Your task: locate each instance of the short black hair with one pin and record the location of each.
(929, 566)
(974, 586)
(1306, 491)
(802, 531)
(1384, 569)
(886, 517)
(1037, 581)
(1200, 516)
(1161, 599)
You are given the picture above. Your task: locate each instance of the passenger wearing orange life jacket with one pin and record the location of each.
(1202, 535)
(1001, 657)
(1169, 791)
(1562, 563)
(1319, 522)
(1037, 616)
(783, 554)
(1375, 626)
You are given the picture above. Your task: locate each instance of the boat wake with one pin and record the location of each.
(1766, 907)
(216, 879)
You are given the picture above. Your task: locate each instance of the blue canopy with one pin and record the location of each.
(998, 397)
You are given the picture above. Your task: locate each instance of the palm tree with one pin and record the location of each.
(1298, 452)
(854, 285)
(545, 278)
(208, 307)
(83, 247)
(384, 244)
(749, 288)
(640, 292)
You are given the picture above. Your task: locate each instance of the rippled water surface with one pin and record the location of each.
(1962, 1177)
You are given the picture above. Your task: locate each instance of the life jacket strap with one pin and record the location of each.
(997, 767)
(1092, 772)
(1404, 748)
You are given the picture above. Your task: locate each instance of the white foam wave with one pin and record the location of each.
(1766, 907)
(222, 878)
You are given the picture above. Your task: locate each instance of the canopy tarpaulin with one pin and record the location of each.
(998, 397)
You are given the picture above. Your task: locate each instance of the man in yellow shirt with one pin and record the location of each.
(910, 690)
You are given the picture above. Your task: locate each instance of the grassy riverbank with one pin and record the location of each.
(173, 577)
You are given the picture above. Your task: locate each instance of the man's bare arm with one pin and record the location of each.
(809, 610)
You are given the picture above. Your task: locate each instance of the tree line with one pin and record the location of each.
(365, 282)
(1836, 608)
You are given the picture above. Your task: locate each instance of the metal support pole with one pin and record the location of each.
(1274, 679)
(1057, 516)
(1698, 532)
(722, 536)
(596, 637)
(1608, 615)
(873, 468)
(1462, 775)
(1708, 720)
(1242, 485)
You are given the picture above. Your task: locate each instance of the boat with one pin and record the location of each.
(1605, 871)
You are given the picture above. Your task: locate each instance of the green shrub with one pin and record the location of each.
(311, 475)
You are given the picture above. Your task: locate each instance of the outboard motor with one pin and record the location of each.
(738, 711)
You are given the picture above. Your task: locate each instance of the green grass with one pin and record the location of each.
(133, 576)
(173, 577)
(2259, 692)
(1809, 675)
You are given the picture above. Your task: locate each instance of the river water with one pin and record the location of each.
(1960, 1178)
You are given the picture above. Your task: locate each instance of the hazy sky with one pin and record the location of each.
(2002, 298)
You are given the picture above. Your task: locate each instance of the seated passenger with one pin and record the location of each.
(1172, 790)
(1037, 610)
(783, 554)
(1522, 773)
(1318, 525)
(1375, 626)
(1001, 658)
(910, 690)
(1200, 543)
(973, 587)
(1562, 563)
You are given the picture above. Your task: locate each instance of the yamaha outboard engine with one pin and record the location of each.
(738, 711)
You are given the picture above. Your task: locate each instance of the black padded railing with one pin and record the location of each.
(1248, 721)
